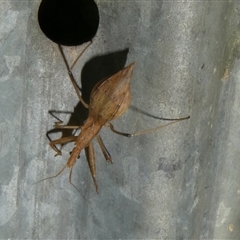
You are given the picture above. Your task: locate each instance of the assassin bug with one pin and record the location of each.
(109, 99)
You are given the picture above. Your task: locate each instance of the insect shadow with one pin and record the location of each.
(94, 71)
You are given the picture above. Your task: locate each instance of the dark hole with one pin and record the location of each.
(68, 22)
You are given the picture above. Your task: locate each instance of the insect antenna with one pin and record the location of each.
(70, 181)
(51, 176)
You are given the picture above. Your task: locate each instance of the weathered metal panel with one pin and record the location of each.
(178, 183)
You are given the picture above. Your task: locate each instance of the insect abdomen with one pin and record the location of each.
(111, 97)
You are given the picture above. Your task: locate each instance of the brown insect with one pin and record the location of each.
(109, 99)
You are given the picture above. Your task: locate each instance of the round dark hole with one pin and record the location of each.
(68, 22)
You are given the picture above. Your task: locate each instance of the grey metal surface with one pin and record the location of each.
(179, 183)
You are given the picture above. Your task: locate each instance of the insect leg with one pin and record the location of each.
(58, 125)
(61, 141)
(105, 152)
(92, 164)
(145, 131)
(80, 55)
(72, 77)
(117, 132)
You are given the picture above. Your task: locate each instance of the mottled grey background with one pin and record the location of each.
(179, 183)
